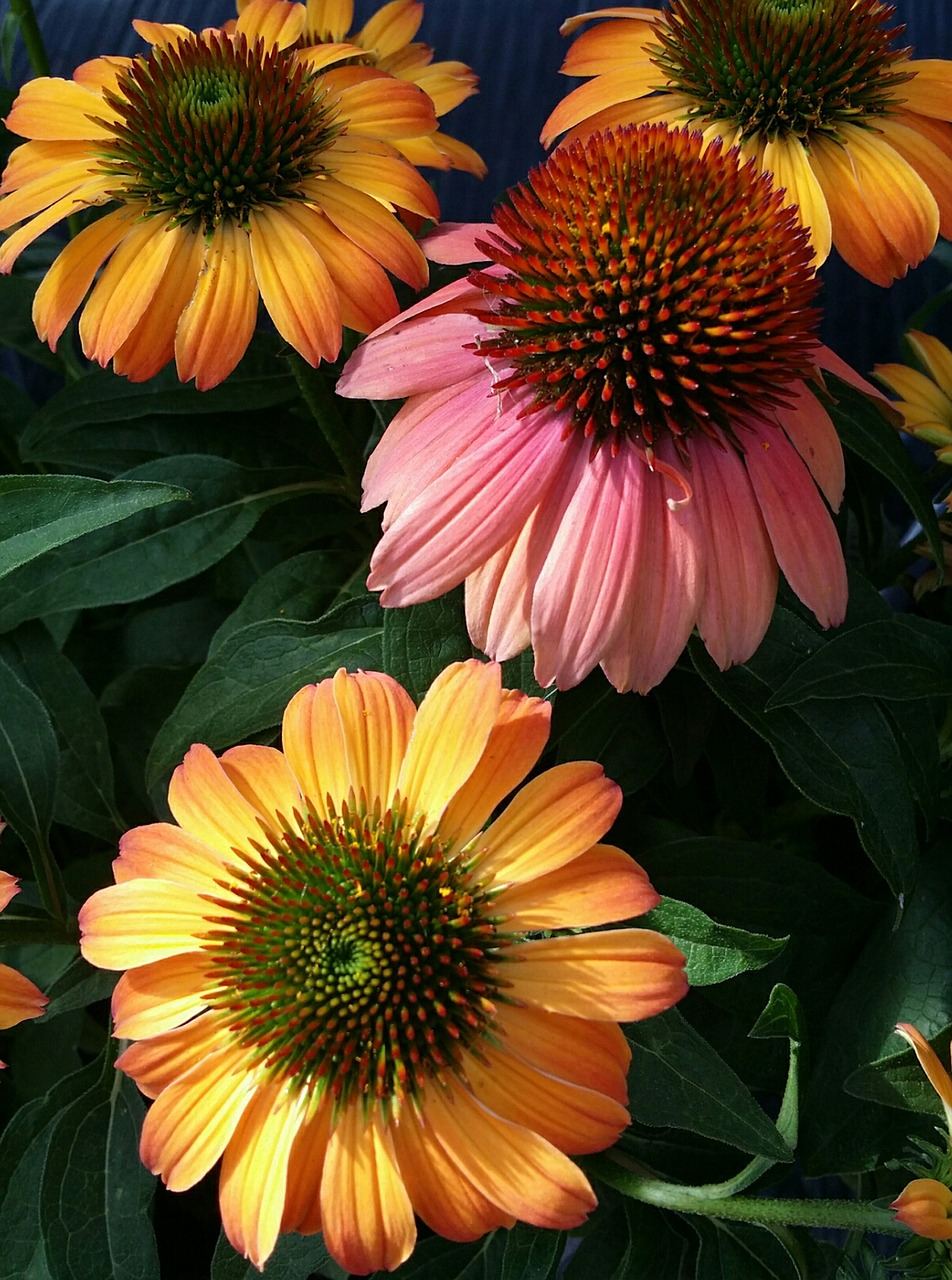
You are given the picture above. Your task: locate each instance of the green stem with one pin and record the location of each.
(30, 30)
(323, 407)
(851, 1215)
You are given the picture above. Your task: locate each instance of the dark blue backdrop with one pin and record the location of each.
(515, 47)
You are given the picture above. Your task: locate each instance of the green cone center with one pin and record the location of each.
(650, 289)
(211, 128)
(355, 958)
(782, 67)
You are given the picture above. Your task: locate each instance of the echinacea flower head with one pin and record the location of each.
(365, 994)
(386, 41)
(925, 398)
(19, 997)
(612, 433)
(925, 1207)
(239, 166)
(815, 91)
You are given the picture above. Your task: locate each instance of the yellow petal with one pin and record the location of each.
(254, 1171)
(278, 23)
(191, 1122)
(158, 997)
(621, 975)
(156, 1063)
(295, 285)
(391, 27)
(370, 226)
(553, 819)
(856, 234)
(895, 195)
(935, 357)
(449, 736)
(515, 743)
(141, 921)
(366, 1212)
(64, 286)
(377, 717)
(59, 110)
(205, 802)
(313, 741)
(161, 851)
(930, 92)
(263, 776)
(215, 328)
(787, 160)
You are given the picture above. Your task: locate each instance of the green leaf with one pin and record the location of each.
(531, 1253)
(897, 1080)
(16, 321)
(79, 986)
(730, 1250)
(715, 952)
(29, 763)
(85, 797)
(593, 722)
(96, 1193)
(784, 1017)
(624, 1240)
(438, 1259)
(104, 423)
(40, 513)
(678, 1079)
(844, 756)
(253, 674)
(295, 1258)
(901, 975)
(418, 642)
(155, 549)
(896, 658)
(865, 431)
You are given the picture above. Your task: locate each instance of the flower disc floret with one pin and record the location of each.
(781, 67)
(212, 128)
(649, 287)
(355, 957)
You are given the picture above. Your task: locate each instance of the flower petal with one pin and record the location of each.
(154, 998)
(593, 1054)
(161, 851)
(786, 158)
(366, 1212)
(215, 328)
(135, 923)
(19, 998)
(552, 820)
(601, 885)
(622, 975)
(450, 734)
(264, 777)
(302, 1202)
(207, 804)
(151, 344)
(156, 1063)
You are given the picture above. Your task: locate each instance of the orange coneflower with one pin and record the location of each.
(19, 997)
(330, 978)
(241, 166)
(386, 41)
(812, 89)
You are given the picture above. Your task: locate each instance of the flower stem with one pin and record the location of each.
(30, 30)
(851, 1215)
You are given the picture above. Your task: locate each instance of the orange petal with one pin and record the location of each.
(141, 921)
(326, 19)
(515, 743)
(156, 1063)
(295, 285)
(126, 287)
(608, 47)
(895, 195)
(386, 177)
(215, 328)
(391, 27)
(59, 110)
(263, 776)
(449, 736)
(446, 1202)
(577, 1121)
(622, 975)
(19, 998)
(376, 104)
(91, 193)
(162, 33)
(598, 887)
(60, 182)
(8, 888)
(278, 23)
(377, 717)
(937, 1075)
(935, 357)
(787, 160)
(254, 1171)
(553, 819)
(509, 1165)
(625, 84)
(365, 1210)
(207, 804)
(440, 151)
(151, 344)
(302, 1203)
(313, 741)
(930, 92)
(161, 851)
(191, 1122)
(593, 1054)
(158, 997)
(364, 291)
(926, 145)
(638, 14)
(370, 226)
(64, 286)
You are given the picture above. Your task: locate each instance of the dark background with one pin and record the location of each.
(516, 48)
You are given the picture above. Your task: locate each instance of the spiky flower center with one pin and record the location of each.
(651, 287)
(355, 958)
(781, 67)
(211, 128)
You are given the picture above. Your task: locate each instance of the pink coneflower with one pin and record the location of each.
(612, 433)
